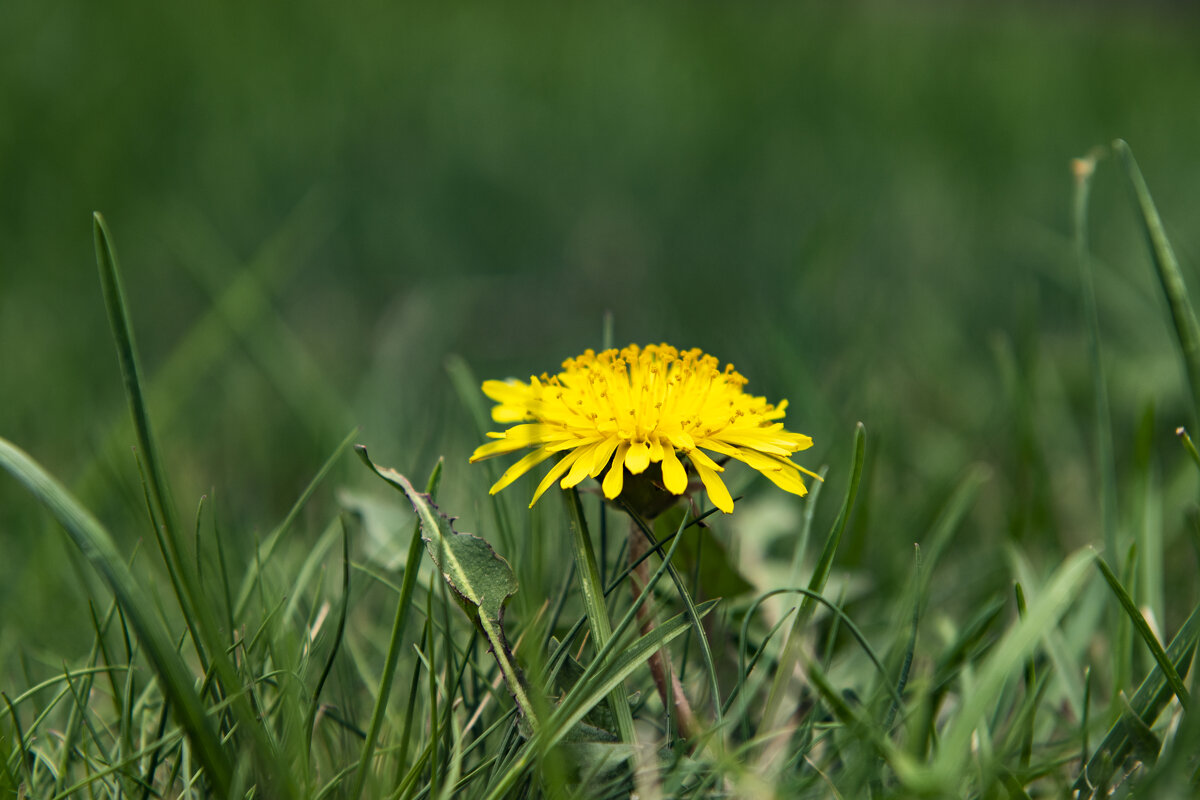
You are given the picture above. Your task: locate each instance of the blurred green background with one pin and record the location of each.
(864, 206)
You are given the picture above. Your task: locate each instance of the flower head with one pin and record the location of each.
(642, 409)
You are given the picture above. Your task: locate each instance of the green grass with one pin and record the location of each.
(335, 222)
(226, 670)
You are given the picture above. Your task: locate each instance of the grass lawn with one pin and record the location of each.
(237, 474)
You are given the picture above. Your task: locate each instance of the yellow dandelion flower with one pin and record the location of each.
(629, 410)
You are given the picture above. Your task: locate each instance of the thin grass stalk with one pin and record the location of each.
(162, 508)
(666, 680)
(1030, 682)
(409, 714)
(597, 683)
(1009, 654)
(906, 665)
(404, 604)
(203, 628)
(314, 702)
(1083, 170)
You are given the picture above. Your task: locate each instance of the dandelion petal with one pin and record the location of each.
(614, 481)
(638, 457)
(674, 475)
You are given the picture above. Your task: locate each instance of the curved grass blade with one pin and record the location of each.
(337, 638)
(793, 643)
(97, 546)
(688, 604)
(268, 545)
(162, 508)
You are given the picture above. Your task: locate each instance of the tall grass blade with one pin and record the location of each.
(1183, 315)
(689, 607)
(162, 508)
(339, 632)
(597, 683)
(1083, 169)
(593, 603)
(1143, 629)
(403, 608)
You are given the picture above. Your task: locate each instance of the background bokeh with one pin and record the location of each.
(864, 206)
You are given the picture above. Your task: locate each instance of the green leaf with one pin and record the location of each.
(480, 579)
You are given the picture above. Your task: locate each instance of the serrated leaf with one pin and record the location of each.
(479, 578)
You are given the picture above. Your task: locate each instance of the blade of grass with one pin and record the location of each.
(593, 603)
(210, 339)
(161, 506)
(910, 646)
(1183, 315)
(837, 611)
(409, 715)
(810, 508)
(403, 606)
(337, 637)
(1083, 169)
(200, 619)
(1143, 628)
(773, 710)
(597, 683)
(22, 747)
